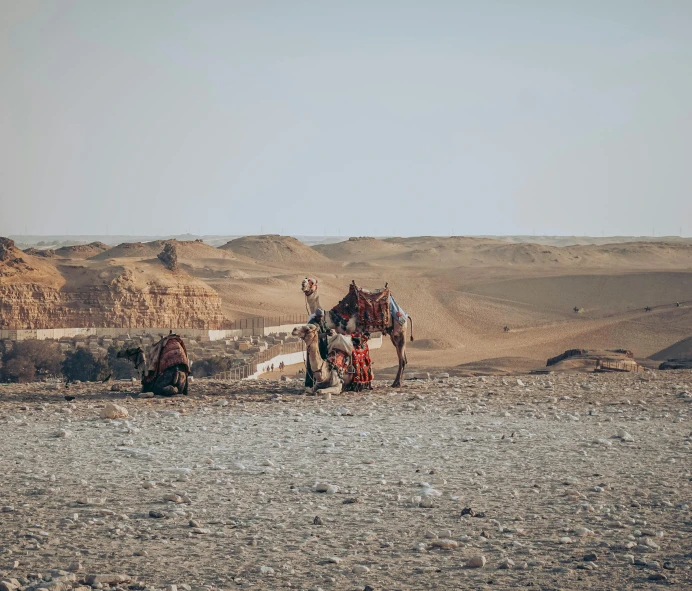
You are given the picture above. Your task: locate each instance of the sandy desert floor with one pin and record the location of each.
(564, 481)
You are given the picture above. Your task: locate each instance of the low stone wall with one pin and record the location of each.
(293, 358)
(191, 333)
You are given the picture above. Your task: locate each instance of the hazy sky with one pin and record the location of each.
(374, 117)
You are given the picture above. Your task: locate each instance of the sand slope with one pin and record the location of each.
(273, 248)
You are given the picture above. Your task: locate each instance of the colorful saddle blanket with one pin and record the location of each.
(362, 366)
(371, 308)
(397, 311)
(169, 351)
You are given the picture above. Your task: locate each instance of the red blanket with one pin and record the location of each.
(371, 309)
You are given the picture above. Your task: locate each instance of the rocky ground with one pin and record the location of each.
(550, 482)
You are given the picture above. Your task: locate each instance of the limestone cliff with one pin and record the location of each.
(50, 293)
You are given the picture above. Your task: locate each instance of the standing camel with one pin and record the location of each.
(336, 320)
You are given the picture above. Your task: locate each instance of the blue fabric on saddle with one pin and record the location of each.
(397, 312)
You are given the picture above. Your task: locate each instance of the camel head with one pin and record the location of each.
(309, 286)
(306, 332)
(134, 355)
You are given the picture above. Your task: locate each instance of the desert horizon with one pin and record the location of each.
(460, 291)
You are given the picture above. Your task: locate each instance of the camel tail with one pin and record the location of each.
(411, 319)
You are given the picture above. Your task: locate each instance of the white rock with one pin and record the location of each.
(583, 531)
(475, 562)
(114, 411)
(565, 540)
(330, 489)
(360, 569)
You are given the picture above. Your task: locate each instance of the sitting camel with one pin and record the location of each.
(348, 322)
(165, 370)
(327, 373)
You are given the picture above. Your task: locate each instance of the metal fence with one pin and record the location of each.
(261, 322)
(603, 365)
(245, 371)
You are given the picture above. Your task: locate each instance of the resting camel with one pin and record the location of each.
(396, 330)
(164, 371)
(325, 376)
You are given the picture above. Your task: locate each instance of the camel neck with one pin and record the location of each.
(313, 302)
(313, 349)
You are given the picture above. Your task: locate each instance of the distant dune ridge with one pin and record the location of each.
(273, 248)
(461, 291)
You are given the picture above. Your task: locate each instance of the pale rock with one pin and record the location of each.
(475, 562)
(445, 544)
(114, 411)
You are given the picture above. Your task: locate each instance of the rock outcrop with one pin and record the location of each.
(36, 293)
(169, 256)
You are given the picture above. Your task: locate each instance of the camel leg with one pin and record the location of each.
(399, 341)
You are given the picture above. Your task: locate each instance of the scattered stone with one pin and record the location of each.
(658, 577)
(114, 411)
(360, 569)
(113, 579)
(475, 562)
(590, 557)
(445, 544)
(330, 489)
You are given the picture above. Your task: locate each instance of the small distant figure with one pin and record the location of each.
(647, 309)
(506, 329)
(272, 368)
(576, 310)
(677, 304)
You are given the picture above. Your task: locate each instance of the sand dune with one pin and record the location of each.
(273, 248)
(680, 350)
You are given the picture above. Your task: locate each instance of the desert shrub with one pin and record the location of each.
(122, 369)
(82, 365)
(28, 360)
(201, 368)
(204, 368)
(19, 369)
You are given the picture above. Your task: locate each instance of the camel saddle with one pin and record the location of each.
(169, 351)
(371, 308)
